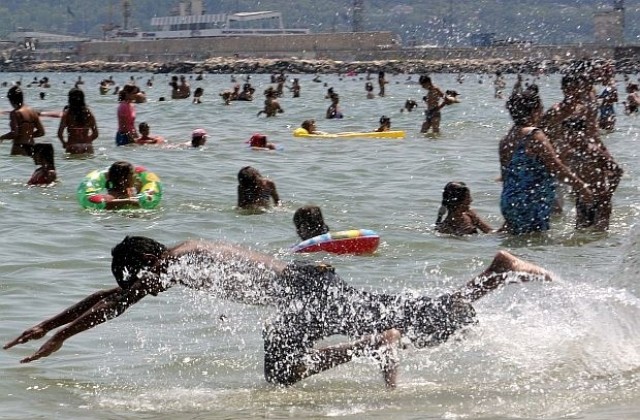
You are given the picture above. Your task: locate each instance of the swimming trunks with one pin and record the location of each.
(123, 139)
(313, 303)
(528, 192)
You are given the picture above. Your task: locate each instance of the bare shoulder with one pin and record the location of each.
(225, 251)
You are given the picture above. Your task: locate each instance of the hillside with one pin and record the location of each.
(442, 22)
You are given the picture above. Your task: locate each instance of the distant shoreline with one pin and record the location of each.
(295, 66)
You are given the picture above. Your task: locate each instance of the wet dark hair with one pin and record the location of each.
(15, 96)
(77, 106)
(368, 86)
(522, 105)
(453, 194)
(45, 150)
(143, 126)
(309, 222)
(249, 176)
(118, 173)
(385, 120)
(306, 124)
(131, 256)
(424, 79)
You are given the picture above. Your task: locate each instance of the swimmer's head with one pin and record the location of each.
(525, 105)
(143, 128)
(133, 255)
(15, 96)
(258, 140)
(309, 125)
(249, 176)
(43, 154)
(425, 80)
(309, 222)
(198, 137)
(455, 193)
(120, 175)
(384, 120)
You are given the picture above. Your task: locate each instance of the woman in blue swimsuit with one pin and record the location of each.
(530, 169)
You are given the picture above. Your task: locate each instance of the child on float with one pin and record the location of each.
(460, 218)
(45, 174)
(146, 137)
(259, 142)
(385, 124)
(309, 222)
(255, 192)
(121, 187)
(309, 127)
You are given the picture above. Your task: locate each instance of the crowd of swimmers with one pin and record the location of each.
(544, 148)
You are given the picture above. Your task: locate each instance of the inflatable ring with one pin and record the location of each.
(92, 190)
(357, 241)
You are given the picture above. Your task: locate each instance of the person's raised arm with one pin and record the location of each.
(68, 315)
(274, 192)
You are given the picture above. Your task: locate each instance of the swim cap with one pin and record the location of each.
(199, 132)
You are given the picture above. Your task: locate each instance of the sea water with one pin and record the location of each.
(568, 349)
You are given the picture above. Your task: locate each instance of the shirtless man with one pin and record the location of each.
(271, 105)
(312, 303)
(433, 97)
(24, 123)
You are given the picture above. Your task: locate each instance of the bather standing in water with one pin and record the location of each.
(24, 123)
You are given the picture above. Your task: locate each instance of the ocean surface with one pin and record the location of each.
(569, 349)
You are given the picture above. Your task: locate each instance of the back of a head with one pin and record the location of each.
(45, 151)
(522, 105)
(424, 80)
(306, 124)
(77, 104)
(119, 172)
(309, 222)
(131, 256)
(454, 193)
(248, 176)
(15, 96)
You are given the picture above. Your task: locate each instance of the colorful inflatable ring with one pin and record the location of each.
(357, 241)
(91, 191)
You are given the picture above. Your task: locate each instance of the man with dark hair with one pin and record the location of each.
(312, 303)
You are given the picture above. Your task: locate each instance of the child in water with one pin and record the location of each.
(385, 124)
(309, 222)
(145, 137)
(259, 141)
(45, 174)
(460, 220)
(198, 137)
(254, 191)
(334, 111)
(121, 188)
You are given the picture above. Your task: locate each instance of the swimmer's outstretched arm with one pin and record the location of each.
(68, 315)
(497, 273)
(110, 306)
